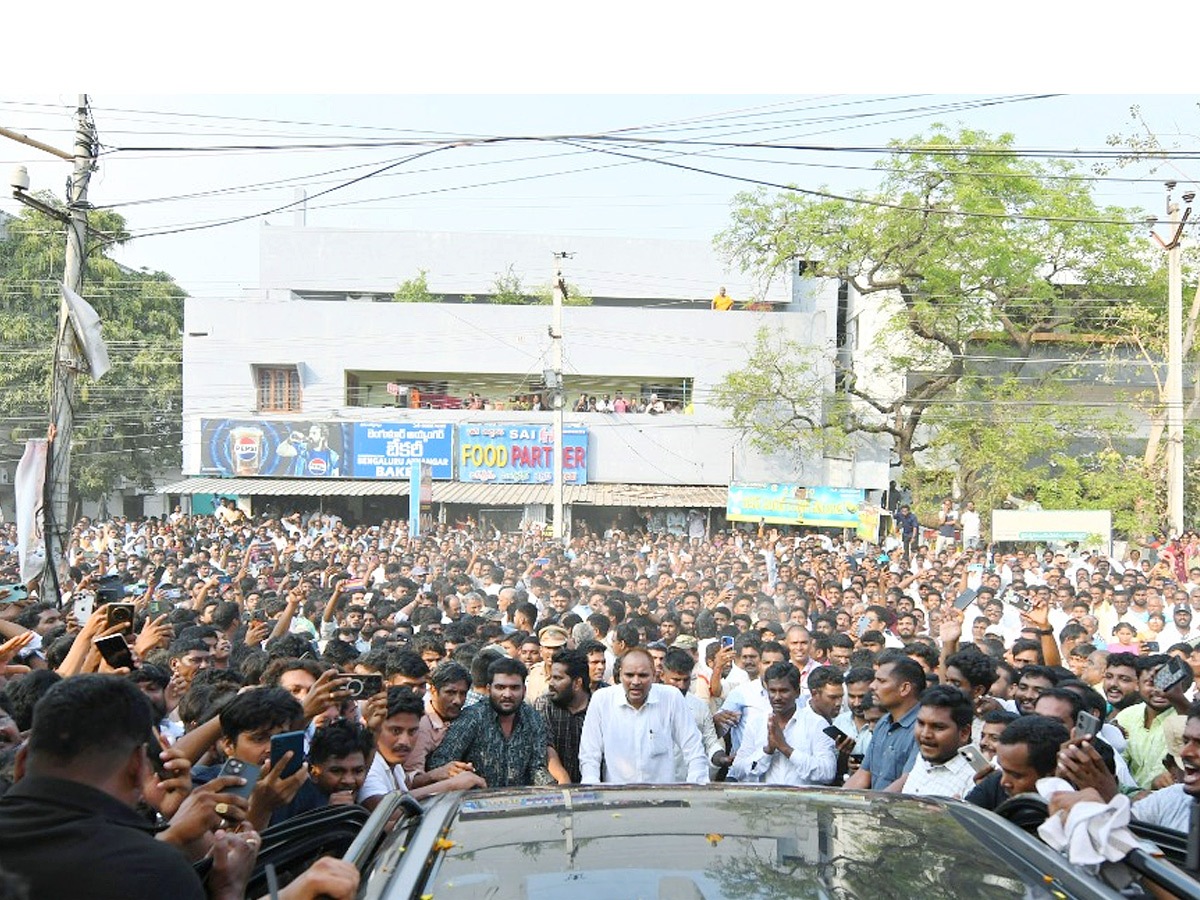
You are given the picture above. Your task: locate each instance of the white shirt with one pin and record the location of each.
(953, 778)
(1170, 807)
(702, 716)
(382, 779)
(737, 676)
(862, 736)
(1172, 635)
(624, 745)
(807, 670)
(970, 524)
(813, 759)
(749, 701)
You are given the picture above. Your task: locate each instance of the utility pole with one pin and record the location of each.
(1175, 359)
(66, 347)
(556, 339)
(67, 352)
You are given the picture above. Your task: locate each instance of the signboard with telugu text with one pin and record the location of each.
(794, 504)
(387, 449)
(498, 453)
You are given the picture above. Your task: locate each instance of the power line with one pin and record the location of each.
(338, 187)
(865, 201)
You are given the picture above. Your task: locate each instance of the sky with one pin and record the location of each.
(242, 74)
(160, 169)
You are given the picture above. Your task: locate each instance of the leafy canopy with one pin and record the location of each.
(129, 424)
(416, 290)
(965, 248)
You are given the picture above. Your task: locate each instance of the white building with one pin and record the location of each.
(315, 388)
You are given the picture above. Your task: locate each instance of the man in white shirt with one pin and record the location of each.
(677, 669)
(947, 522)
(632, 730)
(853, 719)
(745, 665)
(747, 701)
(1180, 630)
(1169, 807)
(970, 527)
(789, 746)
(394, 741)
(943, 728)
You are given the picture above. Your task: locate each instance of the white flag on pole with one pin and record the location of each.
(30, 489)
(87, 328)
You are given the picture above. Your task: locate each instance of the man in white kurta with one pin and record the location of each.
(632, 730)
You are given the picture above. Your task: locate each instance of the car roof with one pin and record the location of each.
(712, 842)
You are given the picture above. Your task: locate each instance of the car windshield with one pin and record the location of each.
(708, 845)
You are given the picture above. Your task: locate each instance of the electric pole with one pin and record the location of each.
(67, 352)
(1175, 359)
(556, 339)
(66, 347)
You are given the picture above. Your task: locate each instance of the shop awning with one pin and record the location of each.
(491, 494)
(638, 495)
(649, 495)
(278, 487)
(645, 495)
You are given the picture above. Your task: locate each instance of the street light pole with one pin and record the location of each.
(1174, 378)
(556, 336)
(1174, 387)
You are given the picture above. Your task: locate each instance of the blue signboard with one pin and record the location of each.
(387, 449)
(275, 448)
(519, 454)
(794, 504)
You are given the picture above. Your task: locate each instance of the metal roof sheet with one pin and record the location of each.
(648, 495)
(308, 487)
(498, 494)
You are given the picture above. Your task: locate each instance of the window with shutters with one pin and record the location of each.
(278, 388)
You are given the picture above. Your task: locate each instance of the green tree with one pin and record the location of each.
(129, 424)
(995, 438)
(1106, 480)
(779, 398)
(964, 244)
(507, 289)
(416, 290)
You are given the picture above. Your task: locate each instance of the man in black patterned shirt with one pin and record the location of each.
(564, 707)
(505, 738)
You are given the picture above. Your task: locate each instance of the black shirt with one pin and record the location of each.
(988, 793)
(68, 839)
(308, 798)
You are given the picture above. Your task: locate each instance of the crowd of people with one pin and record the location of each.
(645, 404)
(464, 660)
(633, 404)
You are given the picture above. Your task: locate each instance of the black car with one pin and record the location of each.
(709, 843)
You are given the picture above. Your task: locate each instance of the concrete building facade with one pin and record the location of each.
(318, 336)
